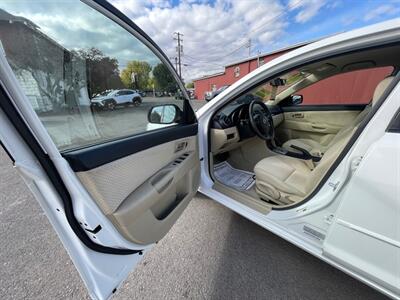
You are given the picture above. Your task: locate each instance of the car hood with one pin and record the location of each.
(100, 98)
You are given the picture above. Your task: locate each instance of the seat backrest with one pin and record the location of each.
(328, 159)
(343, 137)
(346, 130)
(380, 88)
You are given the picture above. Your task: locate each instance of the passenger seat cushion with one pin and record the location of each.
(286, 174)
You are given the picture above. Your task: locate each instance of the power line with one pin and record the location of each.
(290, 7)
(248, 42)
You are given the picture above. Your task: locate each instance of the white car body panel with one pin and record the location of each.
(368, 216)
(102, 273)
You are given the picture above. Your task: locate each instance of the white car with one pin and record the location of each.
(111, 99)
(325, 177)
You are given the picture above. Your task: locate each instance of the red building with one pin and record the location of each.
(355, 87)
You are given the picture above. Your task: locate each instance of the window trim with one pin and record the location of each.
(323, 107)
(394, 125)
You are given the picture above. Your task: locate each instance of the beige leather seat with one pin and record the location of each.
(286, 180)
(316, 148)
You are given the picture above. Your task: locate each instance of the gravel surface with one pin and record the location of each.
(211, 253)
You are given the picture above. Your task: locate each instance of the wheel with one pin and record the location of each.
(136, 101)
(111, 105)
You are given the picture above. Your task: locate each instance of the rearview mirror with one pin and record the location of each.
(164, 114)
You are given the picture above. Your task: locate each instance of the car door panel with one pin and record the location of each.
(110, 185)
(319, 123)
(97, 155)
(373, 193)
(144, 193)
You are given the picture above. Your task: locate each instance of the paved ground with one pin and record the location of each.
(211, 253)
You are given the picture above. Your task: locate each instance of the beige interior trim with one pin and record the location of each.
(151, 210)
(144, 194)
(320, 126)
(221, 138)
(224, 140)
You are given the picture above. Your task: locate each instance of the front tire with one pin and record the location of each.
(111, 105)
(136, 101)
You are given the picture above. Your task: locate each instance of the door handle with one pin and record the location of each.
(318, 127)
(180, 146)
(162, 180)
(298, 115)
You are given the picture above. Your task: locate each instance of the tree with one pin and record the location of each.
(102, 71)
(190, 85)
(164, 81)
(136, 75)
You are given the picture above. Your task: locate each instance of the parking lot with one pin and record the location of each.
(211, 253)
(83, 126)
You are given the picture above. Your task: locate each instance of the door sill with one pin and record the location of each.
(245, 198)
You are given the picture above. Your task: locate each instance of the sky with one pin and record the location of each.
(217, 32)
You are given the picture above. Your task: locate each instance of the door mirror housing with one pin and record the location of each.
(296, 99)
(164, 114)
(292, 100)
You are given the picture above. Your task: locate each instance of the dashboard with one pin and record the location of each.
(231, 124)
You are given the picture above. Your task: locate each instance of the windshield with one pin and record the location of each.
(271, 89)
(105, 93)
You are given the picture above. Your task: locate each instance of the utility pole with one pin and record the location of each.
(249, 46)
(179, 50)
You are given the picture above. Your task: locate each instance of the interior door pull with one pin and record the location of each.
(320, 127)
(180, 146)
(162, 180)
(298, 115)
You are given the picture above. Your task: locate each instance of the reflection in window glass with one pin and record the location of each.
(269, 90)
(87, 78)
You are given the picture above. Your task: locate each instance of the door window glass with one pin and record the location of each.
(72, 63)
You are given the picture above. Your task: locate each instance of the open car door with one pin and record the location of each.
(111, 178)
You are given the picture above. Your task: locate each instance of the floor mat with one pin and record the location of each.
(235, 178)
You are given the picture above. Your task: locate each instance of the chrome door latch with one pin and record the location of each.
(180, 146)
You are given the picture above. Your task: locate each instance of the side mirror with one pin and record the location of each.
(297, 99)
(164, 114)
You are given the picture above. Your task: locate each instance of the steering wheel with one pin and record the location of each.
(261, 120)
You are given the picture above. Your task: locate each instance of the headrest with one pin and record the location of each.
(380, 88)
